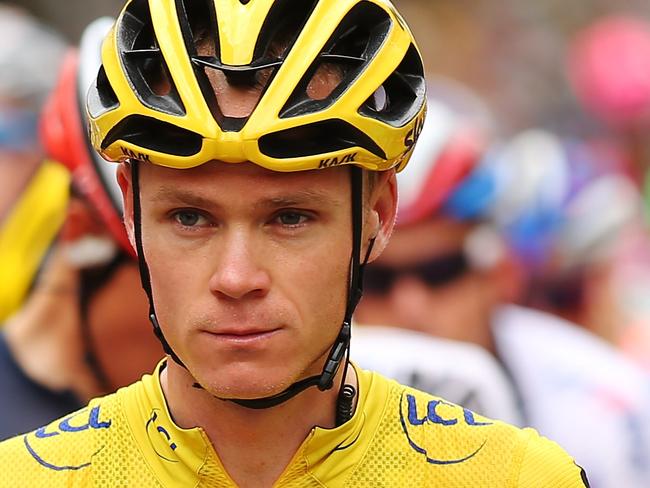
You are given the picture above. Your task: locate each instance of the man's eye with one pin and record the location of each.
(188, 218)
(292, 219)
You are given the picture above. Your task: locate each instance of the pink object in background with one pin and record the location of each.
(609, 68)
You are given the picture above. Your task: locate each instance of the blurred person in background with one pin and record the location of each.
(30, 55)
(82, 331)
(460, 371)
(607, 63)
(449, 271)
(570, 244)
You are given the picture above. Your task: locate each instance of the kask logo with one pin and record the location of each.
(331, 162)
(134, 155)
(47, 444)
(415, 417)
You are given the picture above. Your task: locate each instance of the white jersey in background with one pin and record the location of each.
(579, 391)
(457, 371)
(553, 376)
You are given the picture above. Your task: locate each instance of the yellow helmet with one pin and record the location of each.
(153, 99)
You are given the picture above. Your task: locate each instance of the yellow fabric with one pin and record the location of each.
(240, 26)
(398, 437)
(28, 232)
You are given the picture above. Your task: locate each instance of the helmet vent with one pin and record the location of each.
(281, 28)
(144, 63)
(343, 58)
(380, 99)
(101, 96)
(318, 138)
(155, 135)
(403, 88)
(198, 22)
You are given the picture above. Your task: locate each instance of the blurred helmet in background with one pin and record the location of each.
(30, 54)
(446, 163)
(64, 136)
(609, 69)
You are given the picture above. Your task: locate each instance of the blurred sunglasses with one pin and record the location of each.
(435, 273)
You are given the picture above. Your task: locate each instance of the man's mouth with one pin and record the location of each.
(243, 336)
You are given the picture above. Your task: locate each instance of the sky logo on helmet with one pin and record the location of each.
(414, 134)
(331, 162)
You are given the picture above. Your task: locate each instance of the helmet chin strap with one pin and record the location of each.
(325, 380)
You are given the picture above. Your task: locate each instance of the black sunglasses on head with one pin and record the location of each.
(436, 272)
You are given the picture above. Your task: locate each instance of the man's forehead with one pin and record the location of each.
(217, 182)
(277, 197)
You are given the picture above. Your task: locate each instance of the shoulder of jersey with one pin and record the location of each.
(63, 450)
(446, 434)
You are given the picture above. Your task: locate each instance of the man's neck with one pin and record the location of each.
(255, 446)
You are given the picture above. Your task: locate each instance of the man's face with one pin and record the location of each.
(424, 282)
(249, 270)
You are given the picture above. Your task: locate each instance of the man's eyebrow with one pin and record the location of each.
(169, 194)
(298, 198)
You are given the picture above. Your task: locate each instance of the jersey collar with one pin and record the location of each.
(183, 457)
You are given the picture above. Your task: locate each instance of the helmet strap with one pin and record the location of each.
(145, 277)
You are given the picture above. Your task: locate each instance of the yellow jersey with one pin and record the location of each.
(398, 437)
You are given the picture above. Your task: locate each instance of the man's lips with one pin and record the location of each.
(243, 336)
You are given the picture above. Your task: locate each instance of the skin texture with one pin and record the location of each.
(458, 310)
(249, 270)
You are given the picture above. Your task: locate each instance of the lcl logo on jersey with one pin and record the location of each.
(45, 447)
(416, 416)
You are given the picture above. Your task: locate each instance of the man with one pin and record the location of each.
(253, 269)
(59, 349)
(449, 272)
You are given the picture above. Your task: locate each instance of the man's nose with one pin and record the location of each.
(238, 274)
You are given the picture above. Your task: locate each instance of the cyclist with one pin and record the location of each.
(449, 271)
(57, 351)
(253, 269)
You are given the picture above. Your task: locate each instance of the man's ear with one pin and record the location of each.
(383, 210)
(124, 180)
